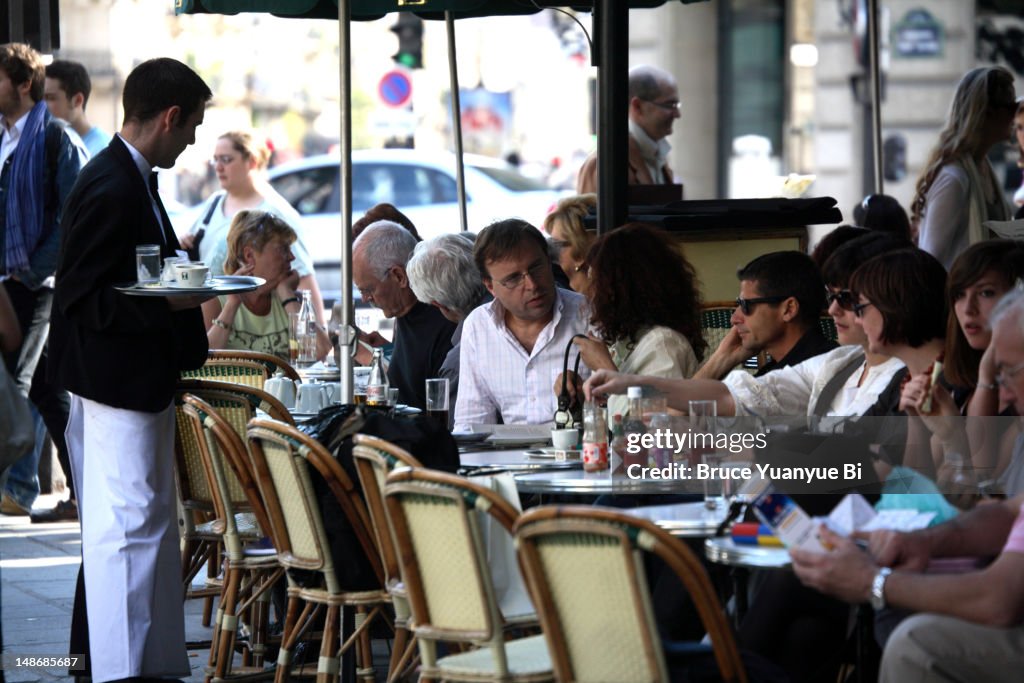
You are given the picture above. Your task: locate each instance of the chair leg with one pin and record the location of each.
(403, 654)
(327, 668)
(364, 646)
(228, 623)
(284, 655)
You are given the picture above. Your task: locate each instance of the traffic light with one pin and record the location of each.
(409, 29)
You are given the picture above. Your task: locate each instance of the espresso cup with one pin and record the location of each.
(565, 439)
(191, 275)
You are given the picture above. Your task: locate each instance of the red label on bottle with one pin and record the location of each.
(595, 456)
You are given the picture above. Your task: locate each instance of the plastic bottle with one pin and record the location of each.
(635, 430)
(595, 438)
(305, 332)
(377, 386)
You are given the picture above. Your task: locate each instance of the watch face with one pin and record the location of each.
(563, 419)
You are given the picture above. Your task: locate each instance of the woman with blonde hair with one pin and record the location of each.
(239, 159)
(258, 243)
(570, 239)
(958, 190)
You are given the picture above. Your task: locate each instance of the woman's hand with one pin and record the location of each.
(594, 353)
(604, 382)
(573, 384)
(285, 288)
(186, 241)
(943, 407)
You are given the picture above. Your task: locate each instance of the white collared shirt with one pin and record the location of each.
(145, 168)
(499, 380)
(655, 154)
(11, 135)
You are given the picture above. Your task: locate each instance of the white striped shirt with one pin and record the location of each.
(498, 380)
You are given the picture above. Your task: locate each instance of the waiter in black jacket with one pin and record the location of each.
(120, 357)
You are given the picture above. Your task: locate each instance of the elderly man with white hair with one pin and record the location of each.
(442, 273)
(423, 336)
(967, 626)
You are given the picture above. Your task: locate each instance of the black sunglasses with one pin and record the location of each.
(843, 298)
(858, 309)
(747, 305)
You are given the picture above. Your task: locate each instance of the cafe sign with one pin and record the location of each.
(918, 34)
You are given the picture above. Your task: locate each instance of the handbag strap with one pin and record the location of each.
(563, 396)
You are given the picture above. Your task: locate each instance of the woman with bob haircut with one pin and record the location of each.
(958, 190)
(259, 244)
(901, 319)
(570, 239)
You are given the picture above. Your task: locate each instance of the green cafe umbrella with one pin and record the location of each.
(611, 17)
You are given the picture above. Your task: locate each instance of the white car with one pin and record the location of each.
(420, 184)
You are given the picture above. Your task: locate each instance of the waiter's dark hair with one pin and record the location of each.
(157, 85)
(503, 238)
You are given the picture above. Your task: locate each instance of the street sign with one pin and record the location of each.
(395, 89)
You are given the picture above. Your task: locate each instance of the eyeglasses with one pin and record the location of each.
(747, 305)
(843, 298)
(672, 105)
(368, 293)
(1005, 375)
(513, 281)
(858, 309)
(223, 159)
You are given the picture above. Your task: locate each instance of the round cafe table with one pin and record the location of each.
(578, 482)
(515, 460)
(683, 520)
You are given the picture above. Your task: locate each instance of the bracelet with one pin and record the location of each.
(290, 300)
(991, 387)
(222, 325)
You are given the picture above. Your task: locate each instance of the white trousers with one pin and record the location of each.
(123, 464)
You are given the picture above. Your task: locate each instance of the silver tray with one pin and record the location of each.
(220, 284)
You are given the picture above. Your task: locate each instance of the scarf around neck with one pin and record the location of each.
(25, 196)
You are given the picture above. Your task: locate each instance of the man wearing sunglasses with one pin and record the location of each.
(653, 109)
(512, 347)
(777, 312)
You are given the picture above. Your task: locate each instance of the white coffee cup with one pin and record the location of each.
(312, 398)
(191, 275)
(565, 439)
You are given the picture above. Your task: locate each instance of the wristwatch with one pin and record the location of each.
(878, 588)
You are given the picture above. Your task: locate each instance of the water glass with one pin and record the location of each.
(147, 263)
(437, 400)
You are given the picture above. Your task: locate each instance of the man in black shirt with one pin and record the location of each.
(423, 336)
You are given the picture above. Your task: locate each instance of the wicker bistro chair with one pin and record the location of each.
(201, 537)
(245, 371)
(272, 362)
(280, 455)
(586, 571)
(375, 458)
(438, 532)
(250, 569)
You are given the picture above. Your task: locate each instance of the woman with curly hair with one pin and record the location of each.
(645, 305)
(958, 190)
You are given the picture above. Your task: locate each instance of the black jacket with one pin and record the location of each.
(123, 351)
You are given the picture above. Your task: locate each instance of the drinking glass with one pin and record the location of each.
(703, 416)
(437, 400)
(147, 263)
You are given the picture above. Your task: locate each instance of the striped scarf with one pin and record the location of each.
(25, 194)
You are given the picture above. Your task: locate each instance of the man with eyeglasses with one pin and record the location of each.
(653, 109)
(423, 337)
(513, 347)
(777, 312)
(965, 626)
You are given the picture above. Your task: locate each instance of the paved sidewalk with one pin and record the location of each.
(38, 567)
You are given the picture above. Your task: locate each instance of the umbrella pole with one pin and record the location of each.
(453, 75)
(876, 93)
(612, 20)
(347, 343)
